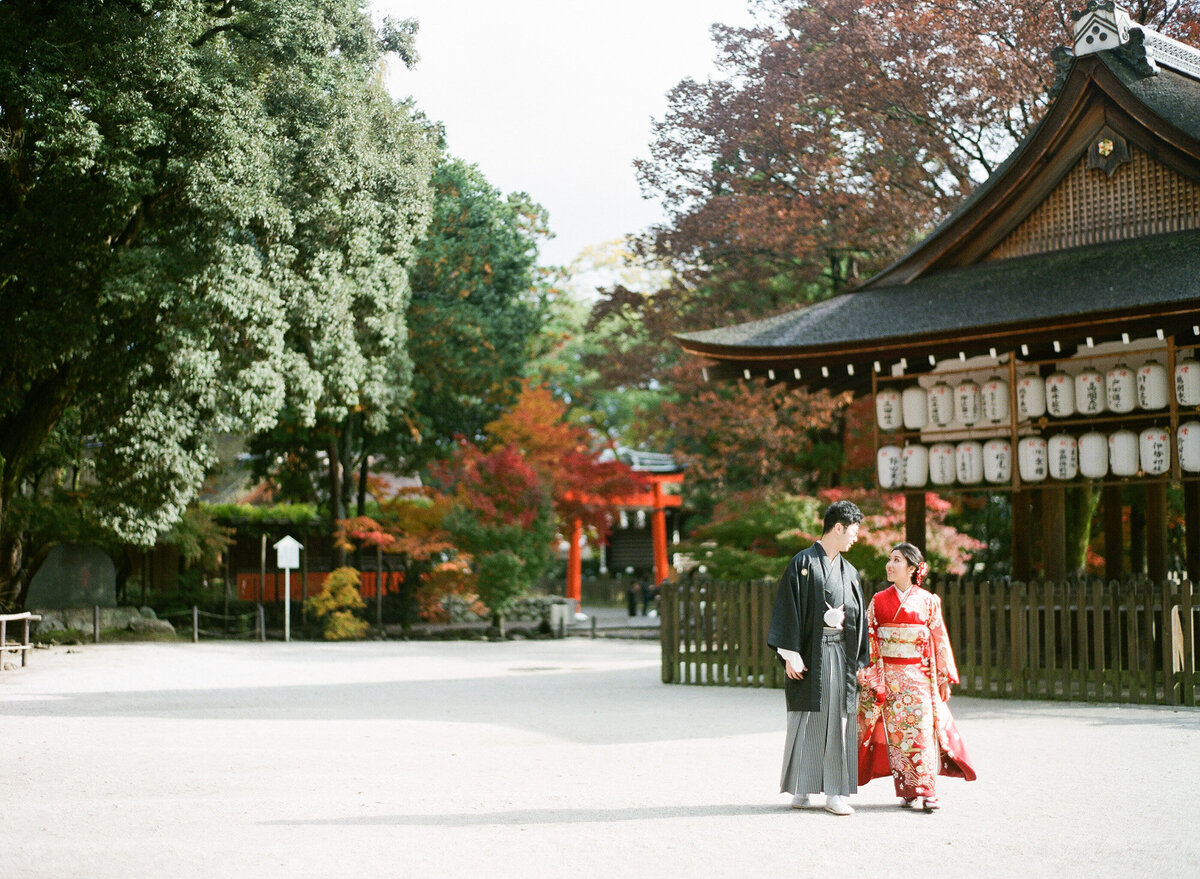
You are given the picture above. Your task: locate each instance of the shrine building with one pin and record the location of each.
(1043, 336)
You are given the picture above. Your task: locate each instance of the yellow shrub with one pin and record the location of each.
(336, 606)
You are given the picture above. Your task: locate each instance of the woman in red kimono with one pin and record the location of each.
(904, 724)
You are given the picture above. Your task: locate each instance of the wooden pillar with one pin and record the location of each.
(575, 564)
(1114, 533)
(1191, 528)
(1054, 533)
(658, 530)
(914, 519)
(1022, 536)
(1156, 531)
(262, 569)
(1137, 530)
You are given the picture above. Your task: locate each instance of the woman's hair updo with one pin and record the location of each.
(916, 559)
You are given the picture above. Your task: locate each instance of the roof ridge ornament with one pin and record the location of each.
(1104, 26)
(1100, 26)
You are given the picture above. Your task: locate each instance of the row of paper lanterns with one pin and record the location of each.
(1062, 457)
(1090, 392)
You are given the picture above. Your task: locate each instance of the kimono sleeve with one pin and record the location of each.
(788, 617)
(943, 656)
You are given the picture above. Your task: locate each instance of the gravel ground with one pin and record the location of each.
(546, 758)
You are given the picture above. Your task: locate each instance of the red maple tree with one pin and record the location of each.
(583, 485)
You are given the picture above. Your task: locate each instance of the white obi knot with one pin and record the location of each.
(835, 617)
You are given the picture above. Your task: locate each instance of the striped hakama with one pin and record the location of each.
(821, 752)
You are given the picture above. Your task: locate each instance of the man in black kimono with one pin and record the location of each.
(818, 630)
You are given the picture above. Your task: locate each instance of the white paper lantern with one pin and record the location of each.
(967, 402)
(941, 404)
(1031, 397)
(1187, 382)
(968, 457)
(887, 409)
(890, 466)
(1188, 440)
(1031, 459)
(1152, 388)
(1093, 455)
(941, 464)
(1062, 456)
(997, 461)
(1060, 395)
(1123, 453)
(1120, 385)
(1155, 445)
(915, 404)
(994, 393)
(1089, 392)
(916, 463)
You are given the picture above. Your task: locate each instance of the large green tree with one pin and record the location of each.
(195, 198)
(477, 306)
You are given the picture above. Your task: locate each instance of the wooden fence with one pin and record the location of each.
(1085, 642)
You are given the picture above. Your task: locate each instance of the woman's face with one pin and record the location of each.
(899, 571)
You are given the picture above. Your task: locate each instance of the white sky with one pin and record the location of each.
(556, 98)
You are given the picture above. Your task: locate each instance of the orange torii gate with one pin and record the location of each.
(656, 500)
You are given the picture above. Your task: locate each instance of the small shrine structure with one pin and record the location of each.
(624, 546)
(1044, 334)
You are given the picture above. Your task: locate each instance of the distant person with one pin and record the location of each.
(649, 597)
(631, 597)
(904, 721)
(817, 630)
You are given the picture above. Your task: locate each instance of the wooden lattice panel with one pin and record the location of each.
(1142, 197)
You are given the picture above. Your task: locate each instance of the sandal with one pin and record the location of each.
(908, 802)
(932, 804)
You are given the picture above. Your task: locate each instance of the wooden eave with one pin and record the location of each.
(1091, 98)
(839, 368)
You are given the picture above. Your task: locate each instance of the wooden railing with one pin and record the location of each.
(1085, 642)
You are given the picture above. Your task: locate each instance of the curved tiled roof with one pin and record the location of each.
(1111, 280)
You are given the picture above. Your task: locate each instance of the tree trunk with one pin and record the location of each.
(335, 497)
(1081, 508)
(22, 433)
(344, 445)
(363, 470)
(12, 550)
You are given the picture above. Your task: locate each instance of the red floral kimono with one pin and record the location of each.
(905, 730)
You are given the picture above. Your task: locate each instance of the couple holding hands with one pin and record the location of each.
(867, 686)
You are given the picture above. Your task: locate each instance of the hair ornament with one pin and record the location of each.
(919, 576)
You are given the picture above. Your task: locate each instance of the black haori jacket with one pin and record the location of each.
(797, 621)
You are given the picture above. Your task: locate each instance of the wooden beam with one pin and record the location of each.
(1114, 533)
(914, 519)
(1191, 528)
(1054, 533)
(1022, 565)
(1156, 531)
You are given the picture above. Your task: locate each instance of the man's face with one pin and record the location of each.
(845, 536)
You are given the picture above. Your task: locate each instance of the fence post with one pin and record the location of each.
(262, 624)
(1166, 631)
(665, 598)
(1189, 644)
(195, 624)
(379, 586)
(972, 647)
(95, 624)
